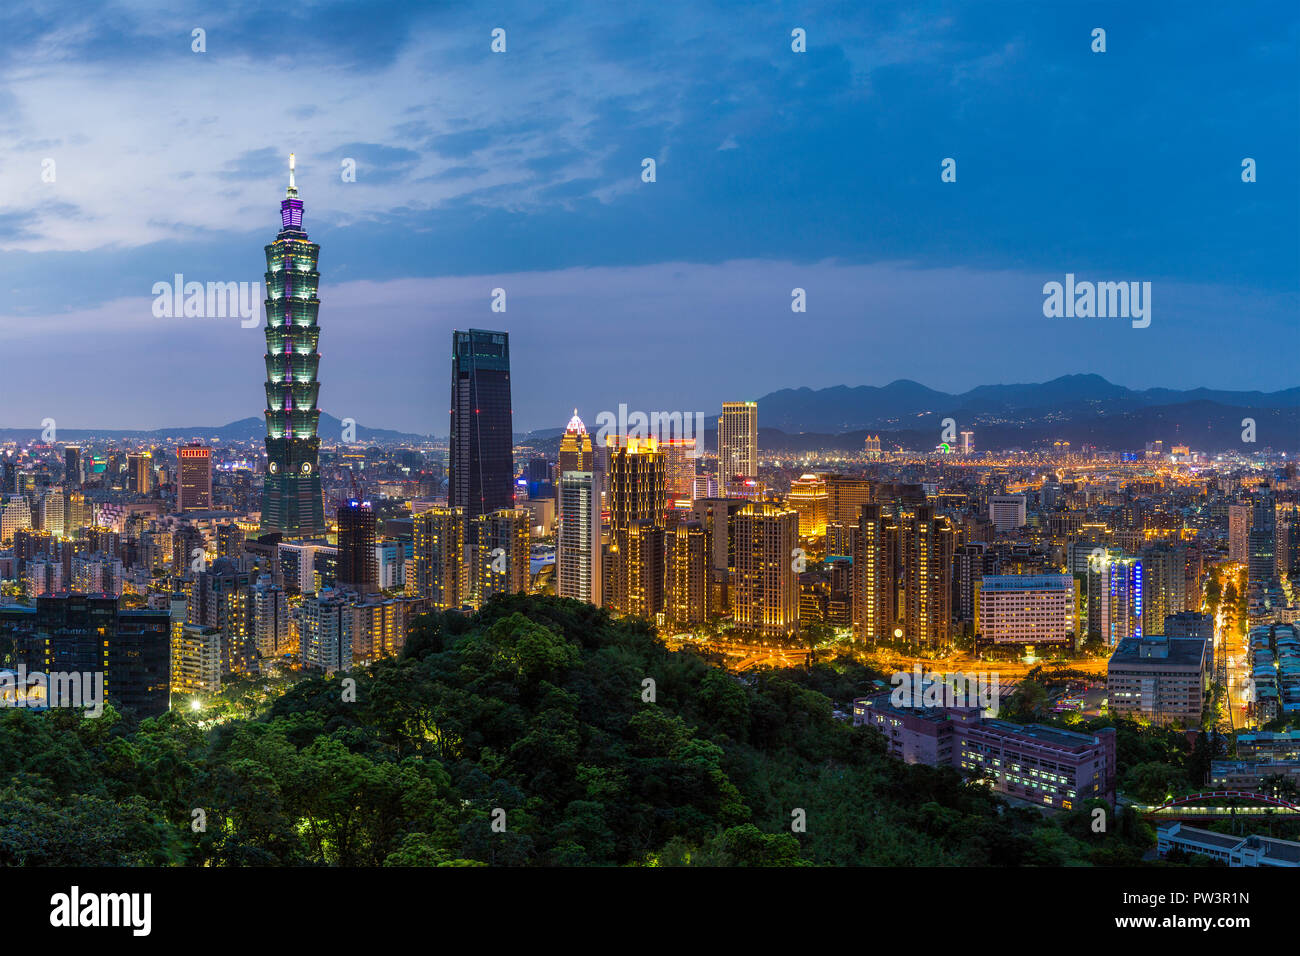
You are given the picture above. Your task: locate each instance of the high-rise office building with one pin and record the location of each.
(635, 482)
(291, 499)
(706, 486)
(1165, 584)
(325, 641)
(53, 511)
(74, 474)
(971, 563)
(679, 467)
(1121, 602)
(578, 562)
(42, 576)
(194, 482)
(438, 555)
(188, 549)
(88, 634)
(480, 466)
(926, 546)
(97, 574)
(392, 558)
(1007, 512)
(687, 580)
(15, 515)
(767, 586)
(222, 596)
(575, 448)
(230, 540)
(77, 513)
(875, 576)
(632, 574)
(808, 496)
(1261, 559)
(273, 626)
(499, 554)
(1239, 517)
(196, 660)
(737, 441)
(717, 515)
(1035, 609)
(845, 497)
(1288, 545)
(139, 474)
(576, 454)
(358, 568)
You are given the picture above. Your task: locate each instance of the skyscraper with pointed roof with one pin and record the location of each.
(578, 562)
(291, 502)
(575, 448)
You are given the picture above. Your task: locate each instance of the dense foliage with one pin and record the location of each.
(526, 734)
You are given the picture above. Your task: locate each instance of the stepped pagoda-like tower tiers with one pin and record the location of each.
(291, 502)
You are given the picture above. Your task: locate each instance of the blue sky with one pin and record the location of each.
(521, 170)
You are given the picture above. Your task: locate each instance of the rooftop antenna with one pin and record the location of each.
(293, 190)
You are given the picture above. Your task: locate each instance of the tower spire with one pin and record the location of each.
(291, 500)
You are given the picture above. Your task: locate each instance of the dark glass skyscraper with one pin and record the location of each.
(88, 633)
(291, 503)
(480, 469)
(73, 476)
(358, 570)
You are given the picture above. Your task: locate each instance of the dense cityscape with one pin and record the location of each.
(852, 446)
(1077, 590)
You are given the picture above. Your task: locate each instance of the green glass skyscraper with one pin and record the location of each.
(291, 501)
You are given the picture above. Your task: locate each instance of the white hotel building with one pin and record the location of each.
(1025, 609)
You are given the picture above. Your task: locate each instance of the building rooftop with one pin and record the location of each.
(1275, 849)
(1048, 735)
(1158, 652)
(1253, 766)
(1025, 582)
(1221, 841)
(1264, 736)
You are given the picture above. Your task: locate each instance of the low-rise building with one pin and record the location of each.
(1251, 774)
(1235, 851)
(1057, 769)
(1162, 679)
(1277, 745)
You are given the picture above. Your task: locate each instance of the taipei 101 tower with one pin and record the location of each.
(291, 501)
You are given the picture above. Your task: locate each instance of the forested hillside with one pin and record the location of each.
(519, 736)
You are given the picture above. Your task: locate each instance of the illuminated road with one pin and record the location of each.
(1233, 646)
(743, 655)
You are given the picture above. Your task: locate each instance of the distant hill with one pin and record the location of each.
(1205, 426)
(1068, 399)
(246, 429)
(1080, 409)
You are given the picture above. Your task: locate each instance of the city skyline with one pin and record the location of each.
(736, 436)
(905, 413)
(847, 139)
